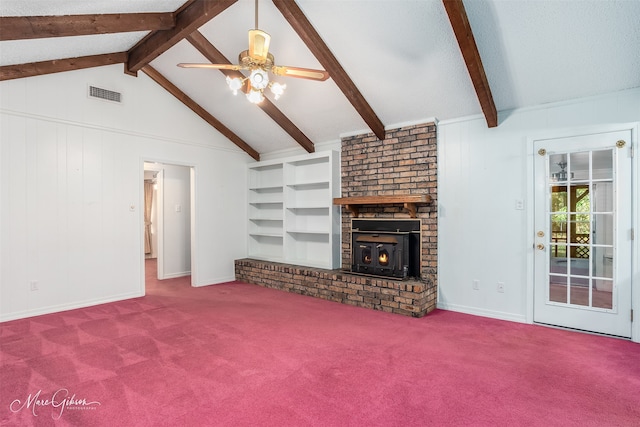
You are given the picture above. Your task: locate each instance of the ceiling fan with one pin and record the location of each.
(259, 62)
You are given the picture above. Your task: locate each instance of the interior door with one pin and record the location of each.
(583, 240)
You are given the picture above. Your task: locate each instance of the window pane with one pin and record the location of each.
(559, 220)
(559, 200)
(602, 262)
(578, 168)
(558, 168)
(580, 229)
(602, 197)
(558, 265)
(583, 199)
(557, 289)
(579, 291)
(603, 293)
(603, 229)
(579, 295)
(559, 252)
(579, 267)
(602, 164)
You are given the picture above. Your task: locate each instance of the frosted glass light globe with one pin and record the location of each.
(255, 96)
(259, 78)
(235, 84)
(277, 89)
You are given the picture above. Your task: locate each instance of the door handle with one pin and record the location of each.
(540, 247)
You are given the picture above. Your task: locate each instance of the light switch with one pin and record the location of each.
(519, 204)
(178, 208)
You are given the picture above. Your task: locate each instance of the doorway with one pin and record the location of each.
(583, 232)
(168, 220)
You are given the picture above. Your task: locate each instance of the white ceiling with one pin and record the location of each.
(402, 55)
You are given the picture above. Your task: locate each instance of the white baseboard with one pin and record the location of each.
(65, 307)
(175, 275)
(500, 315)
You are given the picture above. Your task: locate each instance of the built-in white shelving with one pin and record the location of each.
(292, 217)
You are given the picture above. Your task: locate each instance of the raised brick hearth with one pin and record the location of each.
(407, 297)
(404, 163)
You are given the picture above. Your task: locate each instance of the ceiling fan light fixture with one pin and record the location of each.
(277, 89)
(259, 78)
(259, 62)
(235, 84)
(255, 96)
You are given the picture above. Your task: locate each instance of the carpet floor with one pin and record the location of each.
(236, 354)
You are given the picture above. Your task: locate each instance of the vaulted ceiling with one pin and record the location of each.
(390, 61)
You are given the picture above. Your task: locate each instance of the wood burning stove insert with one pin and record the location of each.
(388, 248)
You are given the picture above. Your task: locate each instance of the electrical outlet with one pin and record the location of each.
(501, 287)
(33, 285)
(475, 284)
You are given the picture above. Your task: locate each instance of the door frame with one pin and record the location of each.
(193, 221)
(635, 205)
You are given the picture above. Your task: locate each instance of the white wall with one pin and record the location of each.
(71, 168)
(482, 173)
(176, 221)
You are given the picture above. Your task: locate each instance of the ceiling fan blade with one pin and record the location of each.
(215, 66)
(302, 73)
(259, 45)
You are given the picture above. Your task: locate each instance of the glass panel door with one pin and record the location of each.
(581, 218)
(583, 245)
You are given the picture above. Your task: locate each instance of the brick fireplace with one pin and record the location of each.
(405, 162)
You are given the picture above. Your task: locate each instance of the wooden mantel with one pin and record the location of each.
(408, 200)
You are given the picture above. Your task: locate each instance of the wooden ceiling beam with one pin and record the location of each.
(36, 27)
(188, 20)
(18, 71)
(216, 57)
(196, 108)
(462, 29)
(299, 22)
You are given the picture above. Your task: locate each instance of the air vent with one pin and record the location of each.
(107, 95)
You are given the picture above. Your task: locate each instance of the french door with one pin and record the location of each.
(582, 218)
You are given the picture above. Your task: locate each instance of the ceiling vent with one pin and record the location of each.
(105, 94)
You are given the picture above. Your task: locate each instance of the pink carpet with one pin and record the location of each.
(238, 354)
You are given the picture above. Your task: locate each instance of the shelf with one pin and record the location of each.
(266, 227)
(299, 207)
(291, 213)
(267, 203)
(318, 184)
(269, 188)
(265, 177)
(294, 231)
(408, 200)
(278, 202)
(276, 235)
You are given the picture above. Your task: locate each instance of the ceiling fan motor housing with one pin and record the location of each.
(248, 61)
